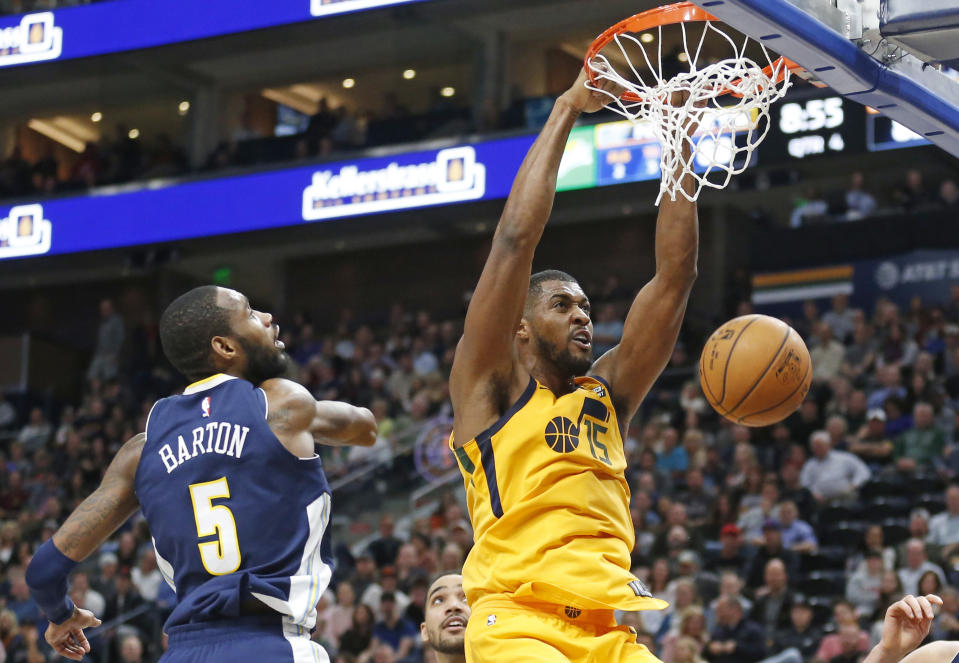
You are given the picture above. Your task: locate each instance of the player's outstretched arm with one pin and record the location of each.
(653, 322)
(485, 352)
(97, 517)
(300, 421)
(907, 623)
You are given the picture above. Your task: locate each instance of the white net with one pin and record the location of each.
(724, 117)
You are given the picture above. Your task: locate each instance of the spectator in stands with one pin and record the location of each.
(948, 194)
(890, 381)
(364, 573)
(18, 599)
(672, 459)
(844, 616)
(840, 318)
(373, 595)
(733, 555)
(913, 193)
(146, 576)
(36, 434)
(807, 206)
(850, 650)
(125, 598)
(929, 583)
(691, 626)
(697, 496)
(832, 474)
(944, 526)
(416, 609)
(773, 600)
(916, 563)
(836, 424)
(358, 637)
(8, 414)
(92, 599)
(110, 334)
(871, 443)
(772, 548)
(731, 585)
(754, 518)
(801, 634)
(798, 535)
(795, 492)
(920, 446)
(735, 639)
(393, 630)
(826, 355)
(863, 586)
(607, 330)
(946, 625)
(859, 203)
(387, 546)
(131, 649)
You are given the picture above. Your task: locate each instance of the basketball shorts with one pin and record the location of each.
(502, 629)
(260, 639)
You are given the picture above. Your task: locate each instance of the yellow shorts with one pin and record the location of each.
(503, 630)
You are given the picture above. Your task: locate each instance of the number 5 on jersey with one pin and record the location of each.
(223, 555)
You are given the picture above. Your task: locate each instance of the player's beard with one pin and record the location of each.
(445, 644)
(563, 358)
(263, 363)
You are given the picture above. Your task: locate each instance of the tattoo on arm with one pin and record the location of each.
(279, 419)
(100, 514)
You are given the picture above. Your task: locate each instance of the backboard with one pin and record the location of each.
(886, 54)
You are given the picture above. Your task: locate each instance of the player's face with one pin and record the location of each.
(258, 336)
(446, 614)
(561, 328)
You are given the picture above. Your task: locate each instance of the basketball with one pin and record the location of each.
(755, 370)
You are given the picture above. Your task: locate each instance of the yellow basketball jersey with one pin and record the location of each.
(549, 502)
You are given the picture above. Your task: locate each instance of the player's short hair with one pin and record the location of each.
(186, 327)
(537, 280)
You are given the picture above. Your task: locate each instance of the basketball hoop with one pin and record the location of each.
(728, 97)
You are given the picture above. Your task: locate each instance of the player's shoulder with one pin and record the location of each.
(288, 395)
(596, 384)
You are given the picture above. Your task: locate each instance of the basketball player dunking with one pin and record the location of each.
(539, 426)
(231, 488)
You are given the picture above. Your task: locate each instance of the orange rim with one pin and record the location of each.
(680, 12)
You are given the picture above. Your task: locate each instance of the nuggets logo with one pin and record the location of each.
(327, 7)
(35, 39)
(453, 176)
(24, 232)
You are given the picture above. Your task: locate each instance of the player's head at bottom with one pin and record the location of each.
(445, 615)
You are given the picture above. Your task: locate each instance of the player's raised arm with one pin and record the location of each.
(97, 517)
(300, 421)
(653, 322)
(485, 351)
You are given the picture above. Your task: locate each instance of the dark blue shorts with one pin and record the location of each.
(260, 639)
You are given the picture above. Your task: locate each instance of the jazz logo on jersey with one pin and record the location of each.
(453, 175)
(24, 232)
(205, 406)
(34, 39)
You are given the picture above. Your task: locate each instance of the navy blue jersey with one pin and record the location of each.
(236, 519)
